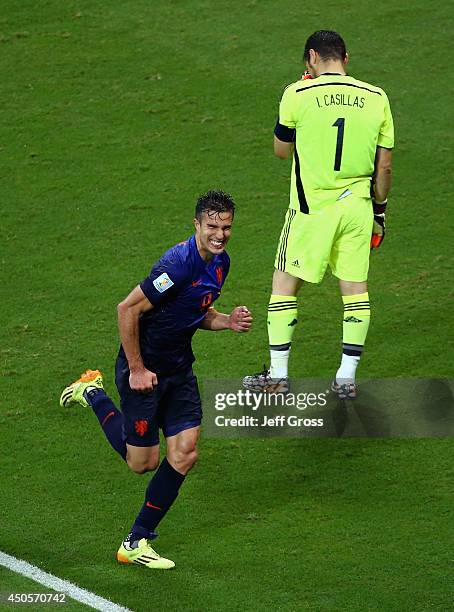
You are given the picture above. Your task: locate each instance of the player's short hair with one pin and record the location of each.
(216, 202)
(329, 44)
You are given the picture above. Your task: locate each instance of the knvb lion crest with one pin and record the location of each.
(141, 427)
(219, 275)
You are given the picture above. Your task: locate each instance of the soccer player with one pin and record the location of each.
(154, 377)
(340, 133)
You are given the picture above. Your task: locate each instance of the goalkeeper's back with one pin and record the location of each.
(338, 122)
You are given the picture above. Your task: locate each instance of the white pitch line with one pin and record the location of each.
(59, 585)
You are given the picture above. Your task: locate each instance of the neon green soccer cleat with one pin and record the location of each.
(74, 393)
(143, 554)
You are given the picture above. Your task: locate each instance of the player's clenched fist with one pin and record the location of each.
(240, 319)
(142, 381)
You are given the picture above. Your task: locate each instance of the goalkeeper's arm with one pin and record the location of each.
(380, 188)
(382, 174)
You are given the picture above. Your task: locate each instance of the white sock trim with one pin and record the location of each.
(347, 368)
(279, 363)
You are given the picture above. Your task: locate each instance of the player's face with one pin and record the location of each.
(212, 233)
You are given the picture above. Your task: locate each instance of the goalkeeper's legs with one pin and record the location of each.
(282, 320)
(355, 326)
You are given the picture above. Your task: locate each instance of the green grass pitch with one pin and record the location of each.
(115, 116)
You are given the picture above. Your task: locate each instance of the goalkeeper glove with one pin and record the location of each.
(378, 230)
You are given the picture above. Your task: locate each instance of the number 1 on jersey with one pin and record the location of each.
(339, 123)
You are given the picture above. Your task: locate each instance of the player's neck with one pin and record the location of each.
(204, 253)
(330, 67)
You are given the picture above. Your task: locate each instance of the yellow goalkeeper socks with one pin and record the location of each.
(282, 319)
(355, 327)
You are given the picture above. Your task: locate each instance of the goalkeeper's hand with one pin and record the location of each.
(378, 230)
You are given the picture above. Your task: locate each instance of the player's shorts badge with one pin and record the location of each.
(141, 427)
(163, 282)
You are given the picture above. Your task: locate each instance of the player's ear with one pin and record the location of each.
(196, 224)
(312, 56)
(347, 59)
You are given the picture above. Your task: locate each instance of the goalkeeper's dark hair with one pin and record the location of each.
(329, 44)
(214, 202)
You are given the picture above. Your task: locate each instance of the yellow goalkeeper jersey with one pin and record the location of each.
(336, 122)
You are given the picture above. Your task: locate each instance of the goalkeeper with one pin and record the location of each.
(340, 133)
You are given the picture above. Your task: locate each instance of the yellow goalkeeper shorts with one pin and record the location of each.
(338, 236)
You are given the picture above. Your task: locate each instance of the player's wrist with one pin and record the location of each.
(379, 206)
(136, 368)
(222, 321)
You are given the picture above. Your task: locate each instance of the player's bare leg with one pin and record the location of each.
(285, 284)
(282, 319)
(141, 459)
(355, 327)
(182, 449)
(352, 287)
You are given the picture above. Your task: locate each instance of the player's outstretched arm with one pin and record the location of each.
(129, 310)
(239, 320)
